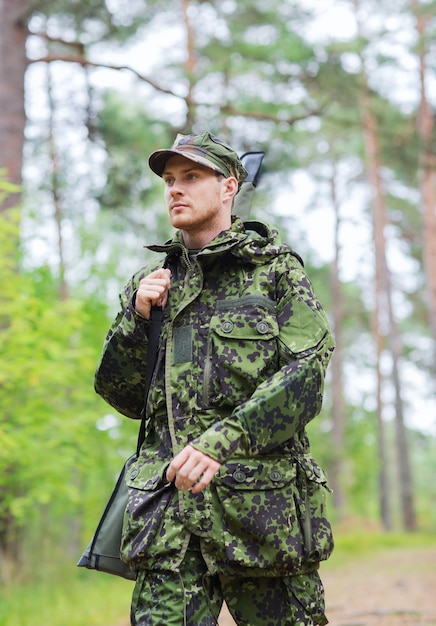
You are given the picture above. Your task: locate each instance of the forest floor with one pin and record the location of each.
(395, 587)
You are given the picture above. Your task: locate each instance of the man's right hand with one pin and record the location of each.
(152, 291)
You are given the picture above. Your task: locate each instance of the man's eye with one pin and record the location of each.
(191, 176)
(169, 181)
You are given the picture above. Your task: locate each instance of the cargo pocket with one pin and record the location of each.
(311, 504)
(149, 494)
(306, 598)
(259, 515)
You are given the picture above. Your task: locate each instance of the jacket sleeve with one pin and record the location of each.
(119, 378)
(283, 404)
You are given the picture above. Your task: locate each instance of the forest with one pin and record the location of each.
(341, 98)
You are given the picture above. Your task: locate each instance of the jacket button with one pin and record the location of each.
(275, 476)
(227, 327)
(239, 476)
(134, 473)
(317, 471)
(262, 328)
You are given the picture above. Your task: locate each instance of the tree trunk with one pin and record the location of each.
(13, 64)
(338, 412)
(386, 321)
(190, 67)
(13, 35)
(383, 474)
(427, 183)
(55, 189)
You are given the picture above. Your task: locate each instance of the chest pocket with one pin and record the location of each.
(242, 349)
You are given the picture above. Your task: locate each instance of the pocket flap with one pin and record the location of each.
(146, 476)
(251, 321)
(257, 474)
(313, 471)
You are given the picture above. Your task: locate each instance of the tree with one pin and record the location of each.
(13, 34)
(338, 404)
(386, 323)
(427, 164)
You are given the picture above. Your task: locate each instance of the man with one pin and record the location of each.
(225, 500)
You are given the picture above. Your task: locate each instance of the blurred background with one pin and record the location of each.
(341, 97)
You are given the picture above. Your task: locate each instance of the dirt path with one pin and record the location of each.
(394, 588)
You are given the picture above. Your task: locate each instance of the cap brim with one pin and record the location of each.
(158, 160)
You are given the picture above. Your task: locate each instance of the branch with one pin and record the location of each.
(77, 45)
(84, 62)
(225, 108)
(257, 115)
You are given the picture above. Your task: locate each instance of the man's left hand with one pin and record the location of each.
(192, 470)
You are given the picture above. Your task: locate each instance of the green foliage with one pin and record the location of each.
(6, 187)
(424, 462)
(93, 20)
(67, 598)
(358, 478)
(129, 135)
(52, 455)
(40, 393)
(359, 542)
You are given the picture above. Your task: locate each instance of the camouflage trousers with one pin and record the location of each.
(191, 597)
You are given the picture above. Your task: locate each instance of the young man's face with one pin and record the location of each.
(195, 198)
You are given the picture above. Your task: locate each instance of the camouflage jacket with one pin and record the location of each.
(240, 370)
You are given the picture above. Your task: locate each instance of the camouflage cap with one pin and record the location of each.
(205, 149)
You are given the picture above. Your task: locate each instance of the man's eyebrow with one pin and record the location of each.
(190, 168)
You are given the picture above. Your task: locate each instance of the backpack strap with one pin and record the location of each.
(153, 344)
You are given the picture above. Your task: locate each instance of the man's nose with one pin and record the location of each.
(176, 187)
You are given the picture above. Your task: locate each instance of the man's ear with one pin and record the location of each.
(230, 187)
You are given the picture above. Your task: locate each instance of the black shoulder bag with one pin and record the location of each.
(103, 551)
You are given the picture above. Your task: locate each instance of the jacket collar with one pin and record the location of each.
(253, 242)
